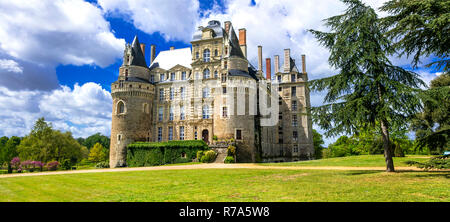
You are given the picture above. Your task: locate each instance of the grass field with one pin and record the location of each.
(234, 185)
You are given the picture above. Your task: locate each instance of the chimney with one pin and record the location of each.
(143, 49)
(287, 61)
(152, 53)
(243, 41)
(227, 27)
(259, 58)
(268, 69)
(304, 64)
(277, 64)
(172, 48)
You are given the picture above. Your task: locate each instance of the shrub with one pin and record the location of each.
(200, 154)
(215, 138)
(52, 166)
(15, 163)
(27, 165)
(229, 159)
(209, 156)
(103, 164)
(66, 165)
(440, 162)
(38, 165)
(231, 150)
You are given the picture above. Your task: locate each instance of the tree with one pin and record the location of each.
(368, 90)
(45, 144)
(97, 153)
(9, 151)
(420, 27)
(432, 126)
(318, 144)
(96, 138)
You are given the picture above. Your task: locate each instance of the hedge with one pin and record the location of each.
(159, 153)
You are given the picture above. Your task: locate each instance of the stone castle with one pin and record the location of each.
(211, 92)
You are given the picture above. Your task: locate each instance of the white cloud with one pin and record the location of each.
(174, 20)
(10, 66)
(85, 110)
(57, 32)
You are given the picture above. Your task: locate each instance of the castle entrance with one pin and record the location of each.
(205, 136)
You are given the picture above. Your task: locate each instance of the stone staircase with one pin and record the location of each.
(221, 154)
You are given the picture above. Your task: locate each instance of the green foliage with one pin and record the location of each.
(103, 164)
(229, 159)
(368, 89)
(432, 126)
(66, 165)
(440, 162)
(420, 28)
(209, 156)
(215, 138)
(94, 139)
(8, 150)
(318, 144)
(231, 150)
(97, 153)
(200, 154)
(159, 153)
(45, 144)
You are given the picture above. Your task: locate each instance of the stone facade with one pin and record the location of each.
(210, 91)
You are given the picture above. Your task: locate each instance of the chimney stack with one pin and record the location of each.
(143, 49)
(227, 27)
(259, 58)
(172, 48)
(287, 60)
(277, 64)
(304, 64)
(268, 69)
(243, 41)
(152, 53)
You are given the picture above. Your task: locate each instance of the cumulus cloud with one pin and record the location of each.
(57, 32)
(10, 66)
(174, 20)
(85, 110)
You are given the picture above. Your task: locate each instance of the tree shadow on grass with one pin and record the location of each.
(362, 172)
(432, 174)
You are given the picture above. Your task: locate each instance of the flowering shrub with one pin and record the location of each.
(38, 165)
(52, 166)
(15, 163)
(27, 165)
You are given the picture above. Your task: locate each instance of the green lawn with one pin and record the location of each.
(238, 185)
(354, 161)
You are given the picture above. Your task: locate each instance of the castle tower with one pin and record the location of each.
(132, 96)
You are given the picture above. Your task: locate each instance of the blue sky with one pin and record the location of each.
(60, 64)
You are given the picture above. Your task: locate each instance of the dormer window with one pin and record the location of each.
(172, 76)
(206, 55)
(162, 77)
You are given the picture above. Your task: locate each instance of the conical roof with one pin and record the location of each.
(137, 56)
(234, 43)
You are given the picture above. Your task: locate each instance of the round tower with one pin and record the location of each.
(132, 96)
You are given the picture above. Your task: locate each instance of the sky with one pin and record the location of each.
(58, 58)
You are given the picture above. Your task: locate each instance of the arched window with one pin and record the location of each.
(206, 73)
(206, 55)
(120, 107)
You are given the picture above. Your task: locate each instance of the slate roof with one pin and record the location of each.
(234, 43)
(137, 56)
(215, 26)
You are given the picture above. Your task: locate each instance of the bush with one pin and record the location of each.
(200, 154)
(27, 165)
(66, 165)
(209, 156)
(229, 159)
(38, 165)
(52, 166)
(15, 163)
(103, 164)
(440, 162)
(231, 150)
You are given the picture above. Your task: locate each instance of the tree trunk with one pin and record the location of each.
(9, 168)
(387, 147)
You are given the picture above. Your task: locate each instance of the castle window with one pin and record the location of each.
(224, 90)
(196, 55)
(280, 89)
(216, 74)
(225, 112)
(131, 86)
(181, 132)
(224, 77)
(162, 77)
(205, 112)
(152, 78)
(205, 93)
(280, 116)
(161, 94)
(216, 53)
(121, 84)
(279, 78)
(182, 93)
(238, 134)
(159, 134)
(182, 115)
(183, 76)
(126, 72)
(225, 65)
(294, 105)
(280, 101)
(294, 120)
(295, 135)
(160, 114)
(170, 133)
(195, 135)
(226, 50)
(172, 76)
(145, 108)
(293, 78)
(120, 108)
(206, 55)
(171, 113)
(293, 91)
(119, 137)
(206, 74)
(171, 93)
(295, 149)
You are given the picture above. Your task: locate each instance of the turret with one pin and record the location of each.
(132, 96)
